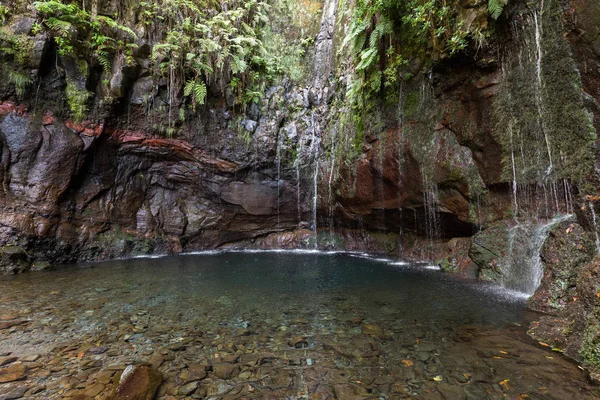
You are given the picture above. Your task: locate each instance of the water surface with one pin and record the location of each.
(293, 325)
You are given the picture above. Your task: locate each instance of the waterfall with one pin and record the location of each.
(324, 45)
(278, 156)
(595, 222)
(430, 202)
(539, 83)
(298, 188)
(514, 171)
(330, 188)
(522, 268)
(314, 155)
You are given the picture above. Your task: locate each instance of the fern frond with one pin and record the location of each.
(495, 7)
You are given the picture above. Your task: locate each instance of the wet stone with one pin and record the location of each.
(187, 389)
(16, 393)
(97, 350)
(31, 358)
(11, 373)
(7, 360)
(138, 382)
(194, 372)
(372, 329)
(226, 371)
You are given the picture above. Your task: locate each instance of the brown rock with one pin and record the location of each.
(13, 372)
(196, 372)
(138, 382)
(372, 330)
(226, 371)
(94, 390)
(10, 324)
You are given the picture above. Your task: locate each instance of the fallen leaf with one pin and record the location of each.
(544, 344)
(504, 384)
(408, 363)
(438, 378)
(498, 357)
(503, 352)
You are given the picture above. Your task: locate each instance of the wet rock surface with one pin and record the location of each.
(86, 329)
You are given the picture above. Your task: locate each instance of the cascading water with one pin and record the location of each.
(330, 187)
(314, 155)
(278, 156)
(595, 222)
(522, 268)
(539, 87)
(534, 113)
(430, 202)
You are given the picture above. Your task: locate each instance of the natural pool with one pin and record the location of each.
(276, 325)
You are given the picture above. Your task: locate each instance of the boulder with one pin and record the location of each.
(489, 247)
(14, 260)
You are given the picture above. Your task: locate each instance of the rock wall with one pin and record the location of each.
(436, 165)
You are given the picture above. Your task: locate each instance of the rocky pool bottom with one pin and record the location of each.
(273, 325)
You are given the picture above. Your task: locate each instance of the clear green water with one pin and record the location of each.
(320, 325)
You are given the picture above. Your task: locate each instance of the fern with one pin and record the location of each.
(20, 81)
(495, 7)
(196, 89)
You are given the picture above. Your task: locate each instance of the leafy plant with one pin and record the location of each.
(495, 7)
(384, 34)
(77, 100)
(197, 90)
(21, 82)
(76, 31)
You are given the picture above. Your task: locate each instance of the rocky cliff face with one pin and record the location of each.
(474, 145)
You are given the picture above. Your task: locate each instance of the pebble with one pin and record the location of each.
(226, 371)
(372, 329)
(97, 350)
(187, 389)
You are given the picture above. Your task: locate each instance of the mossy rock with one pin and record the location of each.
(40, 266)
(488, 248)
(566, 251)
(14, 260)
(447, 265)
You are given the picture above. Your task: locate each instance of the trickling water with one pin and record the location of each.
(314, 152)
(330, 186)
(298, 191)
(594, 220)
(539, 83)
(278, 156)
(514, 171)
(430, 202)
(523, 268)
